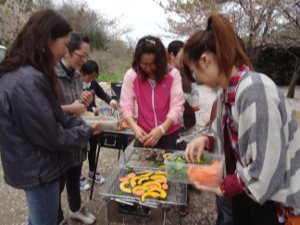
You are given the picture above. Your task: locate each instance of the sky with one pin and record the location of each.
(143, 16)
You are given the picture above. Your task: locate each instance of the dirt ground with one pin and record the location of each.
(13, 210)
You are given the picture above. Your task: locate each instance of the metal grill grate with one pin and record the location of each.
(176, 193)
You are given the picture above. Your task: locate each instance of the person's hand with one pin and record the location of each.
(96, 128)
(86, 97)
(216, 190)
(207, 123)
(195, 146)
(96, 110)
(140, 134)
(195, 107)
(114, 104)
(153, 137)
(78, 108)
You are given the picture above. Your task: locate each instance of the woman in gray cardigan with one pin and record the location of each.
(254, 127)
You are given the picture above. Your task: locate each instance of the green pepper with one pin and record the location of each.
(129, 169)
(120, 192)
(157, 164)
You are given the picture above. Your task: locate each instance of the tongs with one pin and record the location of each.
(115, 113)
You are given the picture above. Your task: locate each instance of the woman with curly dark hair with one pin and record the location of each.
(157, 90)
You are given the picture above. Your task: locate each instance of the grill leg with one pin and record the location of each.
(179, 216)
(107, 213)
(94, 175)
(164, 215)
(119, 152)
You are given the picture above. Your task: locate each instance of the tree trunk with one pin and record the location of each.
(294, 80)
(250, 47)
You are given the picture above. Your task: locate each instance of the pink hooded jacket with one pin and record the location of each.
(155, 102)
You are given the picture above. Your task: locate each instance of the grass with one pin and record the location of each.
(110, 78)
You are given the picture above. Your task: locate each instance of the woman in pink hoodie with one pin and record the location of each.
(157, 90)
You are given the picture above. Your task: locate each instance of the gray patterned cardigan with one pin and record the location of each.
(69, 90)
(268, 138)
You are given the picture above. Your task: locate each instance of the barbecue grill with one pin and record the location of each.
(116, 139)
(136, 161)
(113, 139)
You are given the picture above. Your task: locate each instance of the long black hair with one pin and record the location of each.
(175, 46)
(31, 44)
(89, 67)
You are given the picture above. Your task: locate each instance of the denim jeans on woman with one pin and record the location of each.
(42, 202)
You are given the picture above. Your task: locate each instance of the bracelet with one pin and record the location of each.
(162, 129)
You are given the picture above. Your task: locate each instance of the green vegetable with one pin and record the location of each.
(177, 170)
(157, 164)
(203, 160)
(129, 169)
(120, 192)
(181, 159)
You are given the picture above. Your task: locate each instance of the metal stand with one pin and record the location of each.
(158, 216)
(110, 140)
(94, 175)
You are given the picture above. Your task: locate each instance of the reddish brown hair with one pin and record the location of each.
(220, 39)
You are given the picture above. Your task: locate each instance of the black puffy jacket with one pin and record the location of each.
(34, 130)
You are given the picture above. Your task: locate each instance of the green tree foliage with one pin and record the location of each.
(277, 62)
(110, 53)
(113, 55)
(98, 39)
(115, 60)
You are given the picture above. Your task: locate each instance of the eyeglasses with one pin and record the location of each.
(82, 57)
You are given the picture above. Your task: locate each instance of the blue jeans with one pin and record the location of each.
(42, 202)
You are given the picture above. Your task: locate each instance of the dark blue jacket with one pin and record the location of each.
(33, 129)
(100, 93)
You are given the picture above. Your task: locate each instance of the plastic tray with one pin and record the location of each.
(107, 123)
(209, 175)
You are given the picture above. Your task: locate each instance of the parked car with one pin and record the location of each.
(2, 52)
